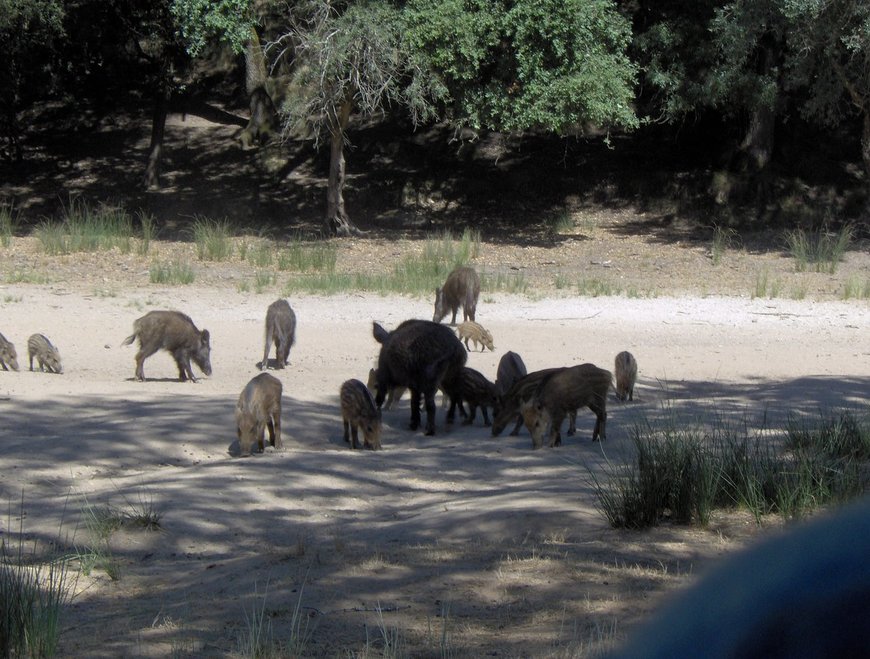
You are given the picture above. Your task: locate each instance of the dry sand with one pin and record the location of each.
(497, 546)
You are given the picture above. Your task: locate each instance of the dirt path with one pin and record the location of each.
(497, 546)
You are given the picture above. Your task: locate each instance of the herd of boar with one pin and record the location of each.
(419, 355)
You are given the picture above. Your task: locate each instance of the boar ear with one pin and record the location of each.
(205, 336)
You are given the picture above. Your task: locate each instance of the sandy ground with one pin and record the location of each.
(460, 540)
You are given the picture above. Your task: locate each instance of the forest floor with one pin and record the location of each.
(459, 544)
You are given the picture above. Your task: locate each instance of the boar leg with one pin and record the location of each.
(600, 420)
(354, 433)
(277, 442)
(415, 407)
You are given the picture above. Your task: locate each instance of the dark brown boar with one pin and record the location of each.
(175, 332)
(280, 330)
(471, 387)
(394, 395)
(419, 355)
(47, 356)
(8, 356)
(259, 410)
(461, 289)
(358, 410)
(625, 369)
(584, 385)
(508, 405)
(510, 369)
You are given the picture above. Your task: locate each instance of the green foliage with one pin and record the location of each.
(202, 21)
(549, 64)
(352, 54)
(30, 31)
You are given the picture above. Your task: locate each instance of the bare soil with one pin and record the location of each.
(459, 543)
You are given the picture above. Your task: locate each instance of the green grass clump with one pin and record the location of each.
(855, 289)
(171, 272)
(87, 229)
(8, 223)
(257, 639)
(260, 256)
(149, 233)
(682, 472)
(308, 256)
(561, 222)
(822, 249)
(212, 238)
(724, 239)
(836, 435)
(27, 277)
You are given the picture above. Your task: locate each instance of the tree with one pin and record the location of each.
(829, 64)
(555, 65)
(29, 32)
(232, 22)
(348, 58)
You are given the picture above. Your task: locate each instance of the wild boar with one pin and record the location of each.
(358, 410)
(508, 405)
(47, 356)
(175, 332)
(584, 385)
(259, 410)
(419, 355)
(8, 356)
(471, 387)
(475, 332)
(510, 369)
(461, 289)
(625, 368)
(280, 330)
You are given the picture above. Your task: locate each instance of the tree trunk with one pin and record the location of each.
(337, 222)
(158, 124)
(865, 157)
(263, 115)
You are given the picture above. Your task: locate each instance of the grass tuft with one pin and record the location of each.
(33, 594)
(8, 223)
(823, 249)
(212, 238)
(87, 229)
(682, 472)
(724, 238)
(171, 272)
